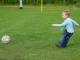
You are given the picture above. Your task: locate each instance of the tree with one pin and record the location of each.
(64, 1)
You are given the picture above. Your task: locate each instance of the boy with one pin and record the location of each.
(68, 23)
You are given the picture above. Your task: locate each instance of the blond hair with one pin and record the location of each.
(66, 12)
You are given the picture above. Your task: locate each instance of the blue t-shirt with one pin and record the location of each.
(69, 24)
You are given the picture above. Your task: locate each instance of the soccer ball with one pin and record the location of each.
(5, 39)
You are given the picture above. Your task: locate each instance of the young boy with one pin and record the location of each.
(68, 23)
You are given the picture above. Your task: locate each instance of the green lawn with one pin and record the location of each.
(33, 37)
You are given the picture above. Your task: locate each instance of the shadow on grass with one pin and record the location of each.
(74, 44)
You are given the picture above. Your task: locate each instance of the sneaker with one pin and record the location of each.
(57, 45)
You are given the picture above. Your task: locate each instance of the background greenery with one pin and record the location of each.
(36, 2)
(33, 37)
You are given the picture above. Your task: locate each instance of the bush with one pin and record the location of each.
(78, 4)
(36, 2)
(26, 2)
(11, 1)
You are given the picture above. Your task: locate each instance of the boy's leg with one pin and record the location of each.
(61, 42)
(67, 38)
(64, 39)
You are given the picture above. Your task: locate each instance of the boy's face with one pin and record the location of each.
(64, 16)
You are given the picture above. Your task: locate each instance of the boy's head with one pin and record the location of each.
(65, 14)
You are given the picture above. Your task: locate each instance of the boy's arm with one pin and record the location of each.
(63, 24)
(75, 23)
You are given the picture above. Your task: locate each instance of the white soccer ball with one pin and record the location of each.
(5, 39)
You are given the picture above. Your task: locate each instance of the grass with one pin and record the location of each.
(33, 37)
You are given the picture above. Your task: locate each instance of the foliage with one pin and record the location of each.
(78, 4)
(35, 2)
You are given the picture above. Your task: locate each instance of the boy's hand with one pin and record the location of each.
(79, 26)
(52, 24)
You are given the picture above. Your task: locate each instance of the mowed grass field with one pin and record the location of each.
(33, 37)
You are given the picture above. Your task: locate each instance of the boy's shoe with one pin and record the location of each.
(57, 45)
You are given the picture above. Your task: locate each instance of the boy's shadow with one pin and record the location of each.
(74, 44)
